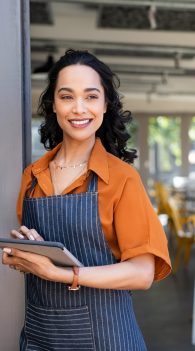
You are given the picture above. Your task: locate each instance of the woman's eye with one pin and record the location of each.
(66, 97)
(91, 97)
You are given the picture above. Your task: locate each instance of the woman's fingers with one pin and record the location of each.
(11, 256)
(27, 262)
(26, 233)
(36, 235)
(19, 269)
(16, 234)
(7, 257)
(16, 268)
(16, 259)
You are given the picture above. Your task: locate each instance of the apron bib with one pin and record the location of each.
(87, 319)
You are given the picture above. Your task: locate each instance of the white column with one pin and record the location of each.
(185, 144)
(14, 111)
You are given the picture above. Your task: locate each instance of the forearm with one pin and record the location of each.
(134, 274)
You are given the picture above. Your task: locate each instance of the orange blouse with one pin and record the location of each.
(129, 222)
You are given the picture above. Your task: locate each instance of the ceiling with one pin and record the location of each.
(149, 44)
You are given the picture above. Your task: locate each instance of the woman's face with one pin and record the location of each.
(79, 102)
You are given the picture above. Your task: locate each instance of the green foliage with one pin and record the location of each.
(192, 130)
(132, 129)
(165, 132)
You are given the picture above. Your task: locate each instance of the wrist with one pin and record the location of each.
(75, 283)
(63, 275)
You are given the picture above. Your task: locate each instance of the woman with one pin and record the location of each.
(83, 194)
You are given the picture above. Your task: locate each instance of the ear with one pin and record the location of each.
(54, 108)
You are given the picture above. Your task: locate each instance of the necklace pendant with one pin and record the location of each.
(61, 167)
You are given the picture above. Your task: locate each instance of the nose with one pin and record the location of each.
(79, 106)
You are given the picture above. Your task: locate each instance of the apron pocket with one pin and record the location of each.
(58, 329)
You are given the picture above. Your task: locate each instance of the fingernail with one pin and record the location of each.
(31, 237)
(21, 236)
(7, 250)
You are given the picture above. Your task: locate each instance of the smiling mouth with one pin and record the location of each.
(80, 123)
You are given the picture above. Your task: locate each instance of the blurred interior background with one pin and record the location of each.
(151, 46)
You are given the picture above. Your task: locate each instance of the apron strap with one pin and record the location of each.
(33, 184)
(93, 183)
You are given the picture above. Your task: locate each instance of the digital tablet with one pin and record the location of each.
(54, 250)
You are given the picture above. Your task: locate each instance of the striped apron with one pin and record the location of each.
(88, 319)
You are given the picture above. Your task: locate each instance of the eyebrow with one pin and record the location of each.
(71, 90)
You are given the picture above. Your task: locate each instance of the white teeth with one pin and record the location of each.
(80, 122)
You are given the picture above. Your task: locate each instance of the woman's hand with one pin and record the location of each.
(25, 233)
(38, 265)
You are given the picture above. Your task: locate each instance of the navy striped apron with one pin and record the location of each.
(88, 319)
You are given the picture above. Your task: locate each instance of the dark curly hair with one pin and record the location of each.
(112, 132)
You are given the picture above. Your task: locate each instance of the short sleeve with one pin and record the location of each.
(138, 228)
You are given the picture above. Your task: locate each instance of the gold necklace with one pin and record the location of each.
(55, 183)
(69, 166)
